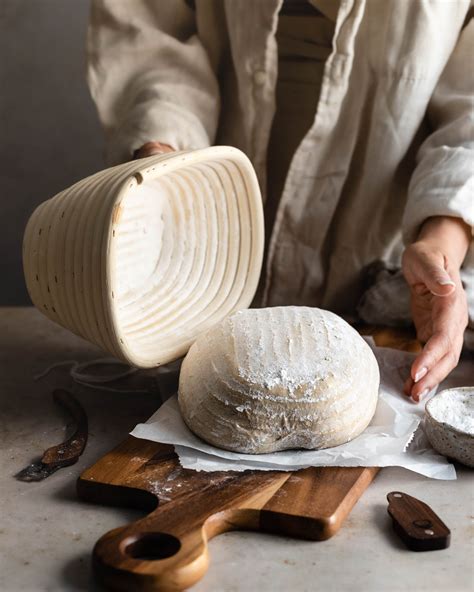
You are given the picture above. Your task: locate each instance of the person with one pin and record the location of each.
(358, 118)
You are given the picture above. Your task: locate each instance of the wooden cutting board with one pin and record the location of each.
(167, 549)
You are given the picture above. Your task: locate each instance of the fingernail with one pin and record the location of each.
(422, 372)
(446, 283)
(423, 394)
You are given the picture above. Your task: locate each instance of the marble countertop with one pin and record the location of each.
(47, 533)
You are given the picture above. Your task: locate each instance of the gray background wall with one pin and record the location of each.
(49, 132)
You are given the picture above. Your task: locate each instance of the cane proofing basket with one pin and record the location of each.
(143, 257)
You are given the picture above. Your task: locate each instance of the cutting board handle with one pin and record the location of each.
(167, 550)
(139, 558)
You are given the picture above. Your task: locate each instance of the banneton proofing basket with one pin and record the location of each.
(142, 257)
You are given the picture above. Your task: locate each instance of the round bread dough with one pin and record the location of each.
(270, 379)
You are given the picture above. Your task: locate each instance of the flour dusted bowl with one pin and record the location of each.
(142, 257)
(449, 423)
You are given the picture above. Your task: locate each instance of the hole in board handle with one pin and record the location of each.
(151, 546)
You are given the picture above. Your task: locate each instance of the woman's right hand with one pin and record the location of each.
(151, 148)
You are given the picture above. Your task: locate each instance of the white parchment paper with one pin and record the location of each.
(393, 438)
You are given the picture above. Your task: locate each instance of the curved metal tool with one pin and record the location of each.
(68, 452)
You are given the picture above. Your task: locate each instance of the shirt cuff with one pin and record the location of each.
(162, 122)
(444, 187)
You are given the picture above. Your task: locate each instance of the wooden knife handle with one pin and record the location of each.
(416, 523)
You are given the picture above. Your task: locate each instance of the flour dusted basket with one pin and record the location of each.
(142, 257)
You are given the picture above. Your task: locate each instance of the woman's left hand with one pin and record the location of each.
(439, 310)
(152, 148)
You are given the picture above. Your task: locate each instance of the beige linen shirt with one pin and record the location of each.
(391, 143)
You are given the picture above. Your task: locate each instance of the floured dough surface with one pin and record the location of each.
(270, 379)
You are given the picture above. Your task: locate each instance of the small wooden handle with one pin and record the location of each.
(416, 523)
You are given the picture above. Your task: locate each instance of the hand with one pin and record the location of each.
(440, 314)
(151, 148)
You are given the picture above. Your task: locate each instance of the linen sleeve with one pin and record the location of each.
(150, 76)
(443, 181)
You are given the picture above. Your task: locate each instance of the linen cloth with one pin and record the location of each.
(390, 143)
(304, 43)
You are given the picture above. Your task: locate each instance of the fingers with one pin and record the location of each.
(434, 377)
(435, 349)
(439, 356)
(439, 309)
(442, 350)
(151, 148)
(428, 268)
(436, 278)
(408, 386)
